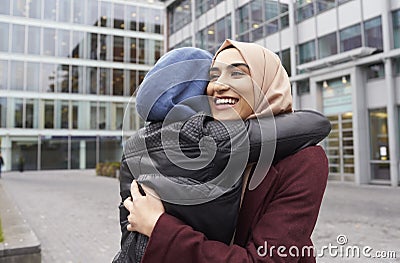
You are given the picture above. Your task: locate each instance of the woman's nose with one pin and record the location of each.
(220, 87)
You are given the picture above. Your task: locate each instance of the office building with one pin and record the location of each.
(68, 69)
(342, 56)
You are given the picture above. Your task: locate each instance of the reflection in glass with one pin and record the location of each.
(91, 161)
(327, 45)
(396, 28)
(305, 11)
(4, 40)
(105, 14)
(32, 76)
(75, 153)
(110, 149)
(118, 82)
(54, 152)
(375, 71)
(63, 77)
(103, 123)
(105, 81)
(17, 78)
(64, 114)
(35, 7)
(285, 58)
(118, 49)
(49, 37)
(211, 38)
(78, 11)
(105, 46)
(159, 49)
(92, 14)
(18, 38)
(48, 114)
(5, 7)
(75, 115)
(132, 82)
(18, 113)
(142, 51)
(48, 77)
(119, 15)
(373, 33)
(133, 55)
(92, 41)
(92, 79)
(34, 40)
(77, 79)
(49, 10)
(307, 52)
(350, 38)
(78, 44)
(118, 110)
(63, 43)
(131, 17)
(31, 113)
(243, 23)
(64, 14)
(24, 155)
(323, 5)
(93, 115)
(3, 112)
(3, 74)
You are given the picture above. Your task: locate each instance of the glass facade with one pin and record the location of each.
(179, 15)
(373, 33)
(211, 37)
(308, 8)
(259, 19)
(72, 79)
(350, 38)
(327, 45)
(375, 71)
(307, 52)
(396, 28)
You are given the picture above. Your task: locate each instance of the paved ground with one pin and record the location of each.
(75, 216)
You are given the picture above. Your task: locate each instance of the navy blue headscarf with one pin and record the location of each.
(174, 82)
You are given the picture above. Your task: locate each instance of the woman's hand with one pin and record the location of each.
(144, 210)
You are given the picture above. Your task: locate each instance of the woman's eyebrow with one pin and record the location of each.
(236, 65)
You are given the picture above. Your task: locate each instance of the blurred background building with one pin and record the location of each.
(67, 70)
(343, 58)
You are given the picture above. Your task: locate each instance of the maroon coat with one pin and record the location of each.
(281, 211)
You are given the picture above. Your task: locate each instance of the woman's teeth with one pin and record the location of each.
(229, 101)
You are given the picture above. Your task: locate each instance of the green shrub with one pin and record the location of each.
(1, 233)
(107, 169)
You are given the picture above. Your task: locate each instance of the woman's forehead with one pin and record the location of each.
(229, 56)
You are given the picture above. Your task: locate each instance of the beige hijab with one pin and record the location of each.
(272, 92)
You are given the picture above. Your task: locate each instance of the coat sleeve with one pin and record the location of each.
(288, 220)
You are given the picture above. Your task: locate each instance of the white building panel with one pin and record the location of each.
(395, 4)
(326, 22)
(374, 91)
(373, 8)
(202, 23)
(306, 30)
(272, 42)
(349, 14)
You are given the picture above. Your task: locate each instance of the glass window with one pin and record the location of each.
(49, 114)
(118, 49)
(3, 112)
(110, 149)
(350, 38)
(285, 58)
(396, 28)
(62, 78)
(373, 33)
(63, 114)
(5, 7)
(78, 44)
(3, 74)
(54, 153)
(323, 5)
(200, 7)
(243, 23)
(19, 8)
(74, 115)
(142, 52)
(159, 49)
(105, 46)
(18, 39)
(179, 15)
(158, 21)
(32, 76)
(303, 87)
(307, 52)
(132, 82)
(305, 9)
(49, 37)
(118, 82)
(117, 116)
(142, 25)
(119, 16)
(79, 11)
(375, 71)
(17, 78)
(93, 115)
(63, 37)
(18, 112)
(75, 152)
(271, 27)
(271, 9)
(396, 67)
(92, 42)
(256, 20)
(131, 19)
(105, 81)
(133, 55)
(31, 114)
(92, 79)
(327, 45)
(35, 7)
(4, 40)
(91, 152)
(64, 14)
(103, 120)
(48, 77)
(49, 10)
(92, 14)
(77, 80)
(33, 40)
(24, 155)
(379, 143)
(105, 14)
(211, 44)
